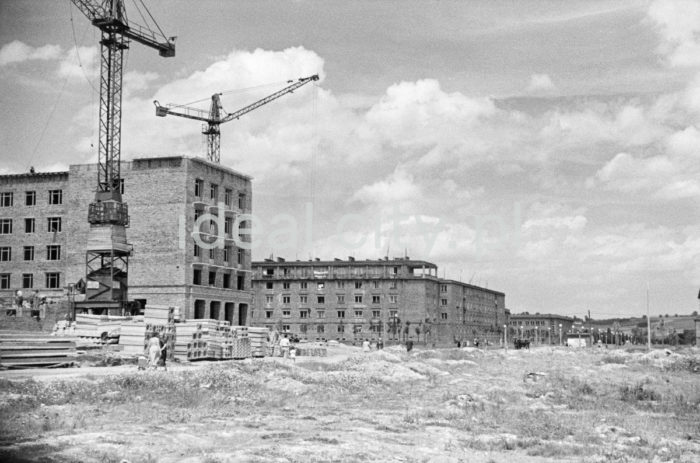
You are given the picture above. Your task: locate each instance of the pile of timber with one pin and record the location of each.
(31, 350)
(98, 326)
(258, 340)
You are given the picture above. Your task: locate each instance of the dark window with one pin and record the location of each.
(321, 299)
(228, 225)
(55, 196)
(375, 299)
(241, 201)
(212, 278)
(240, 256)
(358, 299)
(27, 280)
(269, 285)
(358, 284)
(376, 314)
(227, 280)
(341, 314)
(214, 191)
(286, 299)
(304, 285)
(285, 285)
(4, 281)
(5, 226)
(268, 314)
(198, 187)
(6, 199)
(29, 253)
(341, 298)
(212, 254)
(443, 316)
(240, 282)
(358, 313)
(53, 280)
(54, 224)
(227, 254)
(29, 225)
(30, 198)
(228, 197)
(197, 250)
(320, 329)
(53, 252)
(197, 277)
(5, 254)
(303, 314)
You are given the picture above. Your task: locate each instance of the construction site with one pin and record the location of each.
(137, 326)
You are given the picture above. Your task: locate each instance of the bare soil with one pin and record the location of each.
(443, 405)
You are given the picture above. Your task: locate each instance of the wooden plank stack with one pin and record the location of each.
(31, 350)
(93, 326)
(258, 340)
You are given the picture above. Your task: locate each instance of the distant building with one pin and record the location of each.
(44, 226)
(540, 328)
(352, 300)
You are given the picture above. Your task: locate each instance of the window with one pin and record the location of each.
(443, 316)
(227, 280)
(27, 280)
(53, 252)
(6, 199)
(269, 299)
(303, 299)
(376, 314)
(395, 270)
(303, 314)
(358, 299)
(5, 226)
(198, 187)
(29, 253)
(320, 286)
(285, 328)
(393, 313)
(212, 254)
(341, 328)
(443, 288)
(321, 299)
(197, 251)
(358, 313)
(240, 282)
(392, 285)
(443, 301)
(53, 280)
(55, 196)
(241, 201)
(340, 284)
(228, 197)
(286, 299)
(197, 214)
(4, 281)
(30, 198)
(320, 314)
(285, 285)
(358, 285)
(357, 329)
(269, 272)
(228, 226)
(320, 329)
(393, 298)
(268, 314)
(240, 256)
(212, 278)
(341, 298)
(376, 299)
(286, 313)
(214, 191)
(29, 225)
(341, 314)
(304, 285)
(54, 224)
(5, 254)
(227, 253)
(375, 284)
(197, 276)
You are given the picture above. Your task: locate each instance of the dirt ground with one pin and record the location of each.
(442, 405)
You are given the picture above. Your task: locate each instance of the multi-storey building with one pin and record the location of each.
(185, 216)
(540, 328)
(352, 300)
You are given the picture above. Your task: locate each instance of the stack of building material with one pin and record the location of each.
(30, 350)
(98, 326)
(188, 341)
(258, 340)
(160, 320)
(311, 351)
(132, 337)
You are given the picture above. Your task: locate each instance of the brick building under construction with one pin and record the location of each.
(44, 230)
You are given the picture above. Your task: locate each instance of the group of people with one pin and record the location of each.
(368, 346)
(156, 352)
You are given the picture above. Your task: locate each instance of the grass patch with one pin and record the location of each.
(638, 393)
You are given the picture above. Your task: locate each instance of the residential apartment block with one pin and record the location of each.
(352, 300)
(540, 328)
(174, 204)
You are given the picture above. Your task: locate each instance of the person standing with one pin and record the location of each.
(153, 351)
(284, 346)
(365, 345)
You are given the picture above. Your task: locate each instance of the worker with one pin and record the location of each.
(284, 346)
(365, 345)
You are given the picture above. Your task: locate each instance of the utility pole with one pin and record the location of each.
(648, 321)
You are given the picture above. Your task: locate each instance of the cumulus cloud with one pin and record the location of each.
(18, 52)
(540, 83)
(398, 187)
(678, 24)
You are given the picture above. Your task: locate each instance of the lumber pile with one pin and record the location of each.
(94, 326)
(30, 350)
(258, 340)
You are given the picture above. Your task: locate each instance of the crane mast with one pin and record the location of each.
(107, 256)
(214, 117)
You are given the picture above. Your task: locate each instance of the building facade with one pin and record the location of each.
(352, 300)
(540, 328)
(185, 216)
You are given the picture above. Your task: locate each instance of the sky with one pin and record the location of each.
(546, 149)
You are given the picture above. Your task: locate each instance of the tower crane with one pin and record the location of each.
(217, 116)
(107, 256)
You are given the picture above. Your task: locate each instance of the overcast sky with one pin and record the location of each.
(546, 149)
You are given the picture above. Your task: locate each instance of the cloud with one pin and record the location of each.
(678, 24)
(18, 52)
(79, 63)
(540, 83)
(399, 187)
